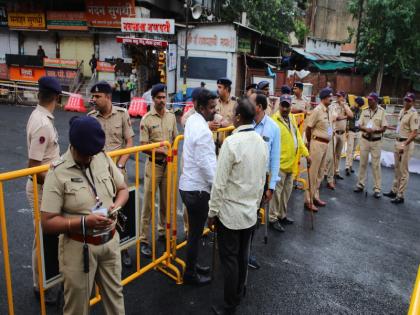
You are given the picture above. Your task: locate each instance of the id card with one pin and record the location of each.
(369, 124)
(330, 131)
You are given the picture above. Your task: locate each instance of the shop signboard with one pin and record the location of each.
(65, 76)
(108, 13)
(4, 72)
(172, 57)
(3, 16)
(244, 45)
(151, 26)
(142, 41)
(103, 66)
(60, 63)
(26, 20)
(66, 20)
(32, 74)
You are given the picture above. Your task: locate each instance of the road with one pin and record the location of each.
(362, 257)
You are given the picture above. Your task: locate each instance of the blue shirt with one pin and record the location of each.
(270, 132)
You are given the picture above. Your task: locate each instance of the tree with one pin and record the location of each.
(389, 38)
(274, 18)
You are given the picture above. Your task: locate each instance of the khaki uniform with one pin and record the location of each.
(339, 137)
(42, 142)
(301, 104)
(353, 137)
(226, 109)
(375, 120)
(68, 193)
(408, 122)
(321, 134)
(154, 128)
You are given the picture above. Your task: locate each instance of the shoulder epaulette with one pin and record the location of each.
(92, 112)
(57, 162)
(120, 109)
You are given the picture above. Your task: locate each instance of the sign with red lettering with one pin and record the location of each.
(60, 63)
(104, 66)
(108, 13)
(151, 26)
(142, 41)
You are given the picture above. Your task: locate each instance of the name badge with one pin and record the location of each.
(77, 180)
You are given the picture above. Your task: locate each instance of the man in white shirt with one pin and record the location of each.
(199, 166)
(235, 195)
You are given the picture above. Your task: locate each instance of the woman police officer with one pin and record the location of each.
(81, 189)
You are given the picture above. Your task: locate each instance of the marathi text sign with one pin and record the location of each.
(104, 66)
(26, 20)
(142, 41)
(152, 26)
(3, 16)
(108, 13)
(60, 63)
(66, 20)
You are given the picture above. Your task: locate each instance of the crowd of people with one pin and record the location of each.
(83, 190)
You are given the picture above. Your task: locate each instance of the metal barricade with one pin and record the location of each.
(161, 263)
(297, 169)
(415, 297)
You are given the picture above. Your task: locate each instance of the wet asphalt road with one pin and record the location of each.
(362, 257)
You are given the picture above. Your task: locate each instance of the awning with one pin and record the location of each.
(326, 62)
(332, 65)
(142, 41)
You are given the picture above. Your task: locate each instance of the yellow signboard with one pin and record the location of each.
(26, 20)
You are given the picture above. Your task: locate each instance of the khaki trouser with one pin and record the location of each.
(30, 197)
(284, 187)
(104, 269)
(146, 213)
(318, 153)
(338, 143)
(374, 148)
(352, 141)
(401, 168)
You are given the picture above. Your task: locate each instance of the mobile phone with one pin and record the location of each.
(114, 211)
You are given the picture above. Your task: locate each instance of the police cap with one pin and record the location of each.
(157, 88)
(86, 135)
(101, 87)
(224, 81)
(251, 86)
(410, 97)
(325, 92)
(285, 89)
(49, 84)
(298, 85)
(373, 96)
(263, 84)
(285, 100)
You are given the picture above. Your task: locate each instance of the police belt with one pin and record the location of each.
(401, 139)
(159, 162)
(371, 139)
(320, 139)
(93, 240)
(340, 132)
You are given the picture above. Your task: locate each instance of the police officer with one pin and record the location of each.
(264, 87)
(250, 89)
(42, 141)
(353, 134)
(373, 124)
(225, 103)
(81, 190)
(406, 133)
(159, 124)
(300, 104)
(318, 135)
(339, 112)
(119, 133)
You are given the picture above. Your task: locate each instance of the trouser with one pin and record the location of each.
(374, 148)
(352, 141)
(185, 219)
(318, 153)
(104, 269)
(234, 254)
(401, 168)
(30, 197)
(146, 214)
(336, 152)
(284, 187)
(197, 203)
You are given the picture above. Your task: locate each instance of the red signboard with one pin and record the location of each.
(104, 67)
(108, 13)
(60, 63)
(153, 26)
(142, 41)
(25, 73)
(4, 72)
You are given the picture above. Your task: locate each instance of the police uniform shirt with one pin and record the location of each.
(374, 119)
(67, 190)
(117, 128)
(41, 136)
(336, 111)
(301, 104)
(408, 122)
(319, 122)
(154, 128)
(226, 109)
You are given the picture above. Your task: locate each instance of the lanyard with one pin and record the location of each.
(91, 183)
(370, 113)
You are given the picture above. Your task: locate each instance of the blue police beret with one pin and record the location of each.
(195, 93)
(251, 86)
(49, 84)
(101, 87)
(373, 96)
(158, 88)
(286, 99)
(224, 81)
(410, 97)
(86, 135)
(325, 92)
(285, 89)
(359, 100)
(298, 85)
(263, 84)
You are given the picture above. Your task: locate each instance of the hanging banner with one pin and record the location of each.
(60, 63)
(66, 20)
(26, 20)
(142, 41)
(151, 26)
(108, 13)
(3, 16)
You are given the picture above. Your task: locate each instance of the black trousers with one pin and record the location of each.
(234, 254)
(197, 203)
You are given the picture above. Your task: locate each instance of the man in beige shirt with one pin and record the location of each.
(225, 103)
(42, 142)
(408, 126)
(235, 198)
(119, 133)
(300, 104)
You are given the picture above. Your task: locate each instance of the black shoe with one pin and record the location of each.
(196, 279)
(50, 296)
(287, 221)
(377, 194)
(347, 172)
(351, 170)
(202, 270)
(277, 226)
(391, 195)
(126, 258)
(397, 200)
(338, 176)
(145, 250)
(253, 263)
(221, 310)
(358, 189)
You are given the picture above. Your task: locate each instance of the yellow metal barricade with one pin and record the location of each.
(415, 297)
(297, 169)
(161, 263)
